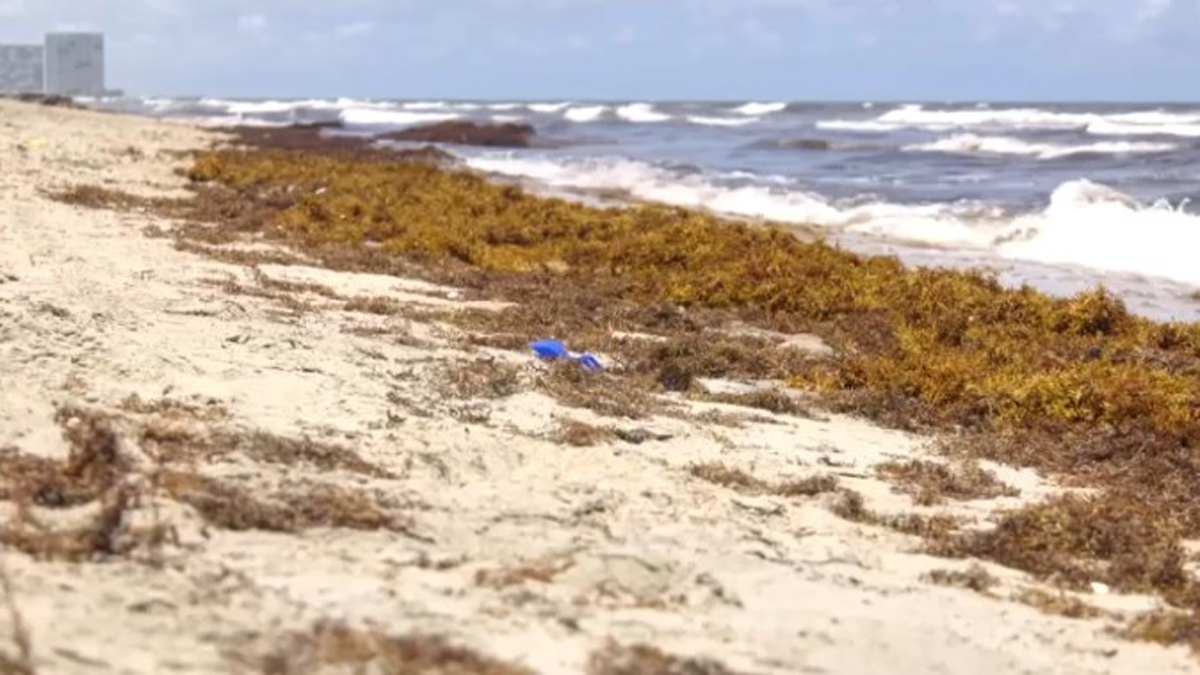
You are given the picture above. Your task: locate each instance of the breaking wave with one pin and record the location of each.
(1084, 224)
(548, 108)
(723, 121)
(1155, 122)
(641, 113)
(1111, 127)
(1003, 145)
(586, 114)
(1095, 226)
(757, 109)
(403, 118)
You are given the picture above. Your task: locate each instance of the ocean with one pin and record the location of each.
(1059, 196)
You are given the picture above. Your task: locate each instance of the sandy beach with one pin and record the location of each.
(292, 485)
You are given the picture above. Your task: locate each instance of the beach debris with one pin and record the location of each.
(461, 132)
(638, 436)
(554, 350)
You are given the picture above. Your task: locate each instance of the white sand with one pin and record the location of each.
(92, 310)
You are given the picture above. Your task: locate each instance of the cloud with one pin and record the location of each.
(252, 23)
(758, 36)
(357, 29)
(11, 8)
(1152, 10)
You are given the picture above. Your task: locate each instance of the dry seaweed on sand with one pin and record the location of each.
(739, 480)
(1074, 541)
(94, 473)
(338, 646)
(932, 482)
(647, 660)
(1167, 627)
(604, 394)
(771, 400)
(1058, 604)
(231, 506)
(581, 434)
(975, 578)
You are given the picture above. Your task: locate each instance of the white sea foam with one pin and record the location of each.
(1003, 145)
(641, 112)
(1150, 122)
(758, 109)
(1085, 224)
(243, 107)
(440, 105)
(1118, 128)
(548, 108)
(788, 204)
(503, 106)
(723, 121)
(234, 107)
(373, 117)
(225, 121)
(1094, 226)
(262, 107)
(589, 113)
(426, 105)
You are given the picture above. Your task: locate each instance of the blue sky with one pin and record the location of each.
(640, 49)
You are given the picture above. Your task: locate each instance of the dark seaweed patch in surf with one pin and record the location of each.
(815, 145)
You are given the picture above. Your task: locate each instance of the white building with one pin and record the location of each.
(74, 64)
(69, 64)
(21, 68)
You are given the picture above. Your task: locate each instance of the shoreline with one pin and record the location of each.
(1076, 228)
(343, 455)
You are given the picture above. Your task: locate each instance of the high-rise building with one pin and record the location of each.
(74, 64)
(21, 68)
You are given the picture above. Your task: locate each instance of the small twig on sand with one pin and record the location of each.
(22, 663)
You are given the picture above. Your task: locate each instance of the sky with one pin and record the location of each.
(1112, 50)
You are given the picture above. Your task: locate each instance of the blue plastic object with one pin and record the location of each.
(550, 349)
(589, 362)
(553, 349)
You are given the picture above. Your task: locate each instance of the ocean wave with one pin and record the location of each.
(723, 121)
(224, 121)
(917, 117)
(548, 108)
(246, 107)
(1118, 128)
(377, 117)
(1003, 145)
(1151, 122)
(641, 113)
(1094, 226)
(758, 109)
(426, 105)
(773, 201)
(1085, 224)
(586, 114)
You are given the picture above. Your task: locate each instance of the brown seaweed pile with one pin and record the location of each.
(1075, 386)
